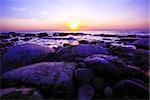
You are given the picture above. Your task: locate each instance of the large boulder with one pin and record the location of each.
(84, 75)
(130, 88)
(86, 92)
(126, 52)
(142, 43)
(111, 66)
(16, 93)
(142, 58)
(25, 54)
(69, 53)
(56, 76)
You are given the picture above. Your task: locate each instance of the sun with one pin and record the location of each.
(74, 25)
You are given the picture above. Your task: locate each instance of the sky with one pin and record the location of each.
(54, 15)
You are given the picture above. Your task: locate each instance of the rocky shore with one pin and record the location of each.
(80, 69)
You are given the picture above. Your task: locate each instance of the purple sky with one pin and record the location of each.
(46, 15)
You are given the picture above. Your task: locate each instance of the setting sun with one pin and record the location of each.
(74, 25)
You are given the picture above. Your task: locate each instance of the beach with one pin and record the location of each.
(75, 65)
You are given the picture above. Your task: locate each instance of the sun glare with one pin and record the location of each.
(74, 25)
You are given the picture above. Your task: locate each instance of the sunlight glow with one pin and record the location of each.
(74, 25)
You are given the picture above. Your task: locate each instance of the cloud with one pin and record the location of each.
(44, 13)
(18, 9)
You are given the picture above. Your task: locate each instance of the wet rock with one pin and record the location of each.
(37, 96)
(14, 93)
(98, 42)
(85, 92)
(142, 43)
(84, 75)
(60, 34)
(126, 52)
(13, 34)
(66, 44)
(107, 39)
(29, 35)
(14, 40)
(127, 39)
(4, 44)
(42, 35)
(98, 83)
(69, 53)
(130, 88)
(26, 38)
(142, 58)
(101, 64)
(66, 34)
(111, 67)
(4, 36)
(56, 77)
(84, 42)
(20, 55)
(108, 92)
(7, 91)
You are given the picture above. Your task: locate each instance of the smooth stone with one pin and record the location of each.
(37, 96)
(4, 36)
(69, 53)
(130, 88)
(56, 76)
(108, 92)
(111, 67)
(13, 34)
(102, 65)
(14, 93)
(84, 42)
(98, 84)
(29, 35)
(85, 92)
(142, 58)
(84, 75)
(126, 52)
(42, 35)
(25, 54)
(142, 43)
(7, 91)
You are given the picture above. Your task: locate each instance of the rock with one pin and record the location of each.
(66, 34)
(7, 91)
(142, 43)
(4, 36)
(142, 58)
(98, 83)
(42, 35)
(56, 77)
(60, 34)
(111, 67)
(25, 54)
(14, 40)
(102, 64)
(26, 38)
(4, 44)
(84, 75)
(84, 42)
(14, 93)
(66, 44)
(13, 34)
(69, 53)
(127, 39)
(29, 35)
(85, 92)
(126, 52)
(130, 88)
(37, 96)
(108, 92)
